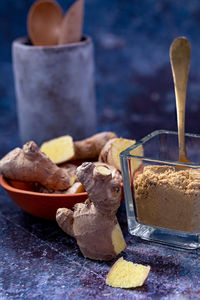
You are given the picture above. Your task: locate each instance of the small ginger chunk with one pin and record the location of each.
(118, 146)
(60, 149)
(125, 274)
(76, 188)
(110, 153)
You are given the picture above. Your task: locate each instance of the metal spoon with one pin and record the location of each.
(44, 22)
(180, 64)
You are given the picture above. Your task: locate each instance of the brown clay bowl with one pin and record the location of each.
(42, 205)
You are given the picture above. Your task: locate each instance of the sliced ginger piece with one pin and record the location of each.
(110, 154)
(125, 274)
(60, 149)
(76, 188)
(103, 170)
(118, 239)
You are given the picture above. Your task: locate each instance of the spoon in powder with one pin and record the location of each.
(180, 64)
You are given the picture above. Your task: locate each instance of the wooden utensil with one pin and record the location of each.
(71, 28)
(180, 64)
(44, 22)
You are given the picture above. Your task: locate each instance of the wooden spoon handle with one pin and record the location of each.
(180, 64)
(71, 28)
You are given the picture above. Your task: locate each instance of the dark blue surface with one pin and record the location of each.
(134, 97)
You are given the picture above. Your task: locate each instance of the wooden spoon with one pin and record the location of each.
(44, 22)
(180, 64)
(71, 29)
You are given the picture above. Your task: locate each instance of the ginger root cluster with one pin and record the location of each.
(51, 167)
(46, 165)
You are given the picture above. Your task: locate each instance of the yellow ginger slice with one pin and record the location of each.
(110, 154)
(60, 149)
(118, 239)
(76, 188)
(125, 274)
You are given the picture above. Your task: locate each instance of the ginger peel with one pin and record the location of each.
(94, 223)
(90, 148)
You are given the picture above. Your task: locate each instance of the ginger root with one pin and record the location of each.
(94, 224)
(77, 187)
(63, 149)
(71, 169)
(60, 149)
(125, 274)
(110, 153)
(31, 165)
(91, 147)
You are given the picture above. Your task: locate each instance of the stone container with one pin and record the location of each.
(55, 90)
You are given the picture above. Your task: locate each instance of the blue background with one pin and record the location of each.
(134, 87)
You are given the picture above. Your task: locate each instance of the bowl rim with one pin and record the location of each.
(5, 184)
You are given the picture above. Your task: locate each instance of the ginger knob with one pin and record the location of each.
(94, 224)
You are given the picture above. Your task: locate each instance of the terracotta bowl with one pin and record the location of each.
(41, 205)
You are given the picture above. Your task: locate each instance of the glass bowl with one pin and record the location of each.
(162, 195)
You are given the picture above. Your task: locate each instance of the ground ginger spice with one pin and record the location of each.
(168, 197)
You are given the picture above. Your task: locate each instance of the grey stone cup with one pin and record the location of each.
(55, 90)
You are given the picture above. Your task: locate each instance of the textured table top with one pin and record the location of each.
(39, 261)
(134, 97)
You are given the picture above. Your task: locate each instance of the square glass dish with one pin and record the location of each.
(162, 195)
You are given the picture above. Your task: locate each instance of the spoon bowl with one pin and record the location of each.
(71, 28)
(44, 22)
